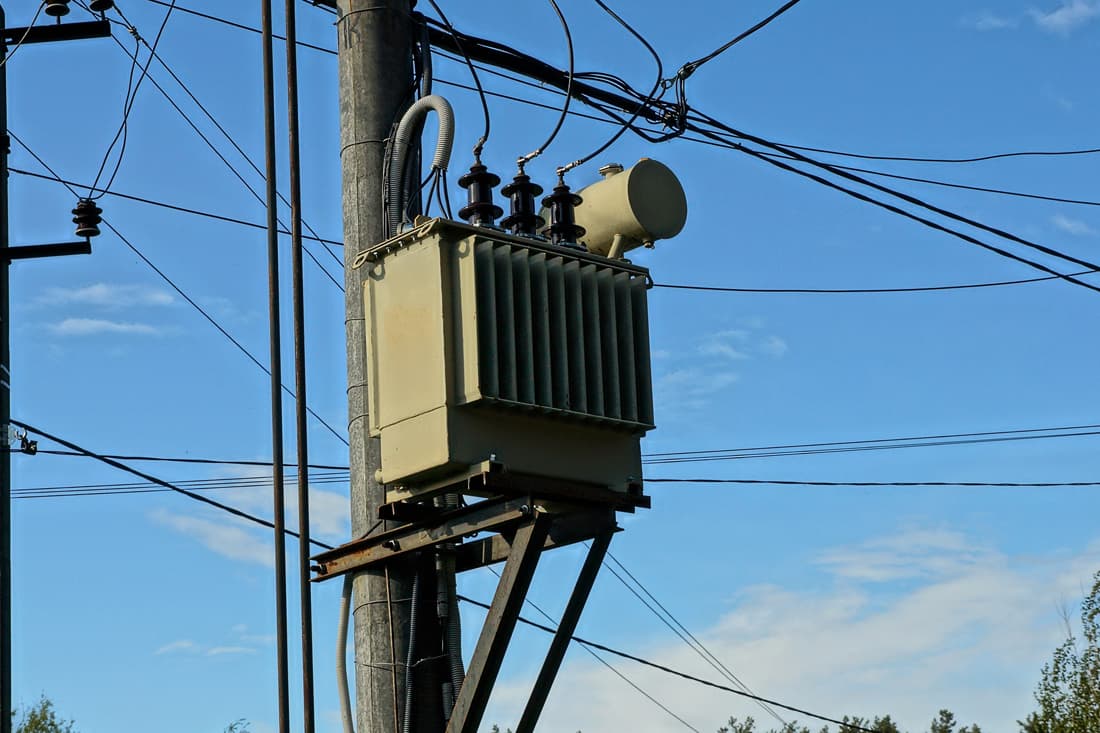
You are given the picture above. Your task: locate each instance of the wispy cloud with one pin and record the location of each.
(987, 20)
(222, 537)
(844, 644)
(729, 344)
(100, 326)
(221, 650)
(181, 645)
(105, 295)
(774, 346)
(1076, 227)
(1070, 15)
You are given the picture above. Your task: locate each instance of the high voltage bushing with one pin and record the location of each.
(479, 184)
(101, 6)
(523, 220)
(86, 217)
(57, 8)
(563, 227)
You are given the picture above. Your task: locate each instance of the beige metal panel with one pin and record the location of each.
(464, 322)
(405, 346)
(419, 446)
(531, 443)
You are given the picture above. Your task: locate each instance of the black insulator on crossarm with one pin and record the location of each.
(57, 8)
(523, 220)
(86, 217)
(563, 227)
(479, 184)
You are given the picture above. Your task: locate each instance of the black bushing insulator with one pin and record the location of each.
(563, 227)
(101, 6)
(523, 220)
(86, 217)
(479, 184)
(57, 8)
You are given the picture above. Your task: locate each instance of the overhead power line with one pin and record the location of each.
(807, 148)
(971, 484)
(165, 205)
(159, 482)
(206, 461)
(690, 67)
(682, 675)
(191, 301)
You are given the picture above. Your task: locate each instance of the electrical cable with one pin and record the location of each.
(172, 207)
(649, 98)
(160, 482)
(27, 32)
(209, 143)
(123, 130)
(592, 653)
(202, 461)
(681, 631)
(864, 291)
(181, 293)
(969, 484)
(847, 726)
(927, 222)
(827, 151)
(890, 192)
(692, 66)
(859, 449)
(480, 144)
(232, 141)
(525, 159)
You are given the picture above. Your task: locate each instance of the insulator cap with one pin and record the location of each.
(101, 6)
(86, 217)
(479, 184)
(523, 220)
(57, 8)
(563, 227)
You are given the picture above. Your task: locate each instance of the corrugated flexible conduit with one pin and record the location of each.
(411, 122)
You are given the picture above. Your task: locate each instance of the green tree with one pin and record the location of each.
(41, 718)
(1068, 693)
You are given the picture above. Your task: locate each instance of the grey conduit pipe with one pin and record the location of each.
(411, 122)
(347, 717)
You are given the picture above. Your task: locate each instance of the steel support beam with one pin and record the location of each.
(568, 624)
(36, 251)
(499, 625)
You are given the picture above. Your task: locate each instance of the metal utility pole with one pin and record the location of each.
(278, 496)
(374, 39)
(10, 37)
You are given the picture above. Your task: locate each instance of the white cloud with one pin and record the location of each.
(98, 326)
(988, 21)
(1076, 227)
(106, 295)
(1069, 15)
(774, 346)
(228, 540)
(182, 645)
(221, 650)
(727, 344)
(967, 628)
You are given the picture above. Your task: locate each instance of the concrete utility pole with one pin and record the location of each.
(374, 40)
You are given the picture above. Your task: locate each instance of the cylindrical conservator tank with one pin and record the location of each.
(484, 346)
(639, 206)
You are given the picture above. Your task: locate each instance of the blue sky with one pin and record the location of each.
(863, 601)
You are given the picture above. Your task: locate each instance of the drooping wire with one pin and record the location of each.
(847, 726)
(680, 630)
(480, 144)
(865, 291)
(601, 660)
(642, 106)
(525, 159)
(893, 192)
(191, 301)
(915, 217)
(690, 67)
(132, 93)
(160, 482)
(26, 33)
